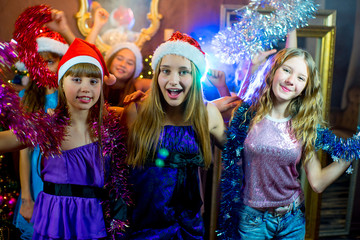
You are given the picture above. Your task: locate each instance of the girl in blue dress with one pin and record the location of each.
(51, 46)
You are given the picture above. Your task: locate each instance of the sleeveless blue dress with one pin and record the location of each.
(167, 195)
(36, 183)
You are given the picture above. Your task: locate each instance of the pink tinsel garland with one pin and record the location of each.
(32, 129)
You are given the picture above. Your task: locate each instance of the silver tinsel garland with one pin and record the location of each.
(259, 32)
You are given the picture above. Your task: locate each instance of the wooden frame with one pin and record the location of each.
(324, 57)
(145, 34)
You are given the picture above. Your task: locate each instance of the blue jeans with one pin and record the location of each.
(255, 224)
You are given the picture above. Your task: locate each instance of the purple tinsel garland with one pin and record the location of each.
(31, 129)
(8, 56)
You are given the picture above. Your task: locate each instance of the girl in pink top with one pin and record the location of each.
(267, 139)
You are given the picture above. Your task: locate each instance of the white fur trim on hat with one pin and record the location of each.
(50, 45)
(75, 60)
(132, 47)
(180, 48)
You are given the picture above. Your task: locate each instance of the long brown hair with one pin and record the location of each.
(305, 109)
(115, 97)
(144, 133)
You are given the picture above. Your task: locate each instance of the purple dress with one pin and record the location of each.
(167, 196)
(71, 217)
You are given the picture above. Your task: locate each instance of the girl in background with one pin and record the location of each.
(124, 61)
(51, 46)
(267, 140)
(70, 206)
(169, 139)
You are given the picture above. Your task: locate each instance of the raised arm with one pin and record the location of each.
(320, 178)
(291, 40)
(101, 16)
(217, 78)
(60, 25)
(216, 125)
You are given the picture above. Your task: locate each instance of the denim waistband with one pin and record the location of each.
(282, 210)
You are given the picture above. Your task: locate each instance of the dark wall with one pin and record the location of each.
(345, 21)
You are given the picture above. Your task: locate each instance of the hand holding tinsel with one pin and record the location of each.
(31, 129)
(257, 32)
(27, 28)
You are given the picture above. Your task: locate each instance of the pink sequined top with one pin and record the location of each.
(271, 154)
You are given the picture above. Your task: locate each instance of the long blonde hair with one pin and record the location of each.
(305, 109)
(145, 131)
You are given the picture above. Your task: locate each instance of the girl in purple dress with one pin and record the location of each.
(169, 139)
(89, 139)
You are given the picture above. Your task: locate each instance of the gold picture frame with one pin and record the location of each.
(323, 51)
(146, 34)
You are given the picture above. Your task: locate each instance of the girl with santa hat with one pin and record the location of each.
(83, 165)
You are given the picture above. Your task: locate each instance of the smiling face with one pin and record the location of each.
(81, 92)
(290, 80)
(175, 79)
(123, 65)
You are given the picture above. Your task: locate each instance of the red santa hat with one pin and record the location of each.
(51, 41)
(182, 45)
(81, 51)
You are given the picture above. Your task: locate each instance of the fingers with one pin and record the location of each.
(269, 52)
(134, 97)
(57, 15)
(102, 12)
(215, 73)
(50, 111)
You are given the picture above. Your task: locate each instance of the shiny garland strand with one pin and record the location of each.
(232, 175)
(113, 136)
(31, 129)
(8, 57)
(259, 32)
(27, 28)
